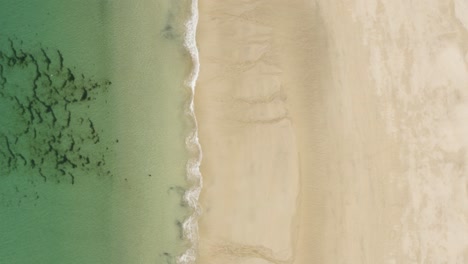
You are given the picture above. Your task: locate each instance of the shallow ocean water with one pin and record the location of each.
(92, 131)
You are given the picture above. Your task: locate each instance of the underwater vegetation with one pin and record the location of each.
(46, 129)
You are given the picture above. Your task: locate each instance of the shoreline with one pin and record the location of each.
(151, 66)
(191, 196)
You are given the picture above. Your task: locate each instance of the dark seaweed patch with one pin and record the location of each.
(170, 31)
(43, 130)
(168, 258)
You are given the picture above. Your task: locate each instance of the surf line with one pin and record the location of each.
(190, 225)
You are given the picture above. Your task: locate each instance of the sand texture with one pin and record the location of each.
(333, 131)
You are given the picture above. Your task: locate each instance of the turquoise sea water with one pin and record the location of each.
(92, 131)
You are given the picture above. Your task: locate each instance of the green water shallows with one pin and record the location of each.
(92, 131)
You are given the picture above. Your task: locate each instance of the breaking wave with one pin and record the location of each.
(190, 225)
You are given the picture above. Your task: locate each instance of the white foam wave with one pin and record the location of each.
(190, 225)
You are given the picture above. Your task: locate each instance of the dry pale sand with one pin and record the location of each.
(333, 131)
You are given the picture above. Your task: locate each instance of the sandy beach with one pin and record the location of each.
(331, 132)
(325, 132)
